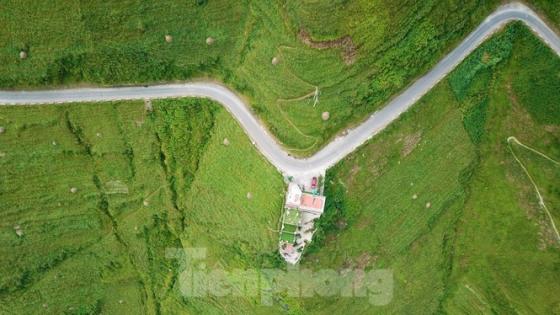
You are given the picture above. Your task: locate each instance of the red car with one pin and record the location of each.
(314, 183)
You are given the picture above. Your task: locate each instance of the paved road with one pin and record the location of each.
(340, 146)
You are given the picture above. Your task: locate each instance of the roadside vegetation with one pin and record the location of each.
(294, 60)
(439, 198)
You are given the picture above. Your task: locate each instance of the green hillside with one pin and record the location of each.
(343, 57)
(99, 192)
(439, 199)
(97, 198)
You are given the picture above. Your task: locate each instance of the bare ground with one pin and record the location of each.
(410, 142)
(349, 50)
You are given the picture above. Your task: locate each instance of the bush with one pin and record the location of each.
(334, 212)
(487, 56)
(474, 121)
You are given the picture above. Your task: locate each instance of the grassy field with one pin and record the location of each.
(544, 171)
(439, 199)
(390, 43)
(146, 181)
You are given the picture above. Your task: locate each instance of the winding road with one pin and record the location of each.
(341, 145)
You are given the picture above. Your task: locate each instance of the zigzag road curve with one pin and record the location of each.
(266, 144)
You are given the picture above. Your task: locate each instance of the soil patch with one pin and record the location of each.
(365, 260)
(349, 50)
(410, 142)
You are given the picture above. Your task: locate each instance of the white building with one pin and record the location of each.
(295, 198)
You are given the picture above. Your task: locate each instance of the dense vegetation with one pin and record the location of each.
(439, 198)
(115, 42)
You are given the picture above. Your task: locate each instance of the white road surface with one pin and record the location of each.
(341, 145)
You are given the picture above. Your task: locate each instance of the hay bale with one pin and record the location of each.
(414, 197)
(275, 61)
(226, 142)
(146, 203)
(148, 105)
(18, 230)
(325, 116)
(210, 41)
(168, 38)
(428, 205)
(73, 190)
(249, 196)
(23, 54)
(2, 130)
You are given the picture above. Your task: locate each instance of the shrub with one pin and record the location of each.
(489, 55)
(474, 121)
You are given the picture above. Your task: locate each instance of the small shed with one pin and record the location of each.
(293, 197)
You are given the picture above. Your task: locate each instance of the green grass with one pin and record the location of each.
(146, 182)
(292, 216)
(288, 237)
(545, 172)
(221, 214)
(290, 228)
(503, 243)
(78, 42)
(384, 226)
(437, 197)
(483, 244)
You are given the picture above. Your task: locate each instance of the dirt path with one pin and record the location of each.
(511, 140)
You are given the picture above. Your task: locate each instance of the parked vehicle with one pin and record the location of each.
(314, 183)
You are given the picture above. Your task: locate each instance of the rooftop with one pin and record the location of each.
(312, 203)
(293, 197)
